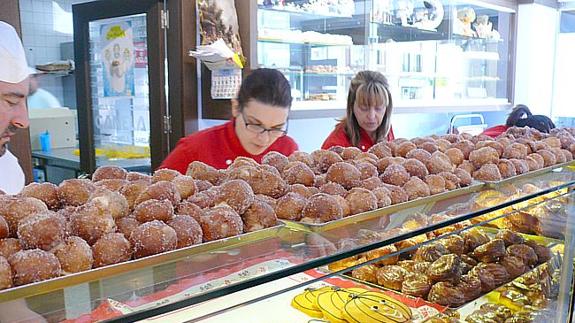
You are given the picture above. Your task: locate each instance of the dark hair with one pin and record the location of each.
(267, 86)
(368, 88)
(540, 122)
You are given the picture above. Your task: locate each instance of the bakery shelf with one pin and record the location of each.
(283, 41)
(293, 12)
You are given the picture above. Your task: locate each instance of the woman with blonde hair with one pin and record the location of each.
(368, 116)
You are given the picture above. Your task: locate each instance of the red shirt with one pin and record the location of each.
(338, 137)
(495, 131)
(218, 146)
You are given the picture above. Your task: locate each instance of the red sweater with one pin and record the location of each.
(495, 131)
(338, 137)
(218, 146)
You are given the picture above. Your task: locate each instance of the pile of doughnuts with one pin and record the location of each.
(47, 231)
(457, 269)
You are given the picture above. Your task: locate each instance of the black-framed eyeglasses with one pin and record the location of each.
(273, 132)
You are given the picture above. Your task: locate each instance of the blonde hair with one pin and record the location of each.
(371, 89)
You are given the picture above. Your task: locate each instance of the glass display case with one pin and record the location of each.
(268, 268)
(434, 53)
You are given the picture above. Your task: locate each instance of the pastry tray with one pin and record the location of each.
(96, 274)
(423, 204)
(513, 179)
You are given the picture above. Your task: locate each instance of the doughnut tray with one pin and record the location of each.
(513, 179)
(396, 210)
(167, 258)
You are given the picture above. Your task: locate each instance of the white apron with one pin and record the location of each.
(11, 175)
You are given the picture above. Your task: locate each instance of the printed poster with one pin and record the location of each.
(117, 52)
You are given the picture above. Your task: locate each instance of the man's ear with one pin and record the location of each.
(235, 108)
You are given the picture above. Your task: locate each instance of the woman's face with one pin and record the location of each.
(369, 118)
(255, 118)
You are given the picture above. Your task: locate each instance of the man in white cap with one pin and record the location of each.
(14, 88)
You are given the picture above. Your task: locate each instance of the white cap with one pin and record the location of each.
(13, 65)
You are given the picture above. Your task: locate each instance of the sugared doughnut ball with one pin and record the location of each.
(383, 196)
(164, 175)
(75, 191)
(90, 222)
(568, 155)
(205, 199)
(344, 174)
(202, 171)
(539, 159)
(258, 216)
(290, 206)
(439, 162)
(366, 157)
(30, 266)
(109, 172)
(442, 144)
(113, 248)
(74, 254)
(493, 144)
(465, 146)
(451, 138)
(152, 238)
(301, 190)
(221, 222)
(361, 200)
(371, 183)
(9, 246)
(270, 169)
(332, 188)
(419, 154)
(532, 163)
(6, 280)
(43, 231)
(381, 149)
(416, 188)
(188, 230)
(185, 185)
(397, 194)
(488, 172)
(275, 159)
(132, 190)
(559, 157)
(367, 170)
(415, 168)
(435, 183)
(45, 192)
(126, 225)
(160, 191)
(349, 153)
(268, 199)
(135, 176)
(323, 159)
(189, 208)
(520, 165)
(455, 156)
(336, 149)
(297, 172)
(395, 174)
(4, 228)
(203, 185)
(553, 142)
(404, 148)
(464, 177)
(451, 181)
(321, 208)
(114, 185)
(19, 208)
(114, 202)
(302, 157)
(151, 210)
(237, 194)
(506, 168)
(515, 150)
(260, 180)
(430, 147)
(482, 156)
(344, 205)
(319, 180)
(549, 158)
(467, 166)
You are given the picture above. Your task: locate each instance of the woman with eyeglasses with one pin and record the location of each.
(259, 125)
(368, 116)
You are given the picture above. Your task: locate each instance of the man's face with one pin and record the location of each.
(13, 111)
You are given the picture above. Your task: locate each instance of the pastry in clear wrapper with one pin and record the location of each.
(34, 265)
(111, 248)
(391, 276)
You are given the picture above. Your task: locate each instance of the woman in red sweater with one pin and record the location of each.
(368, 116)
(521, 116)
(259, 125)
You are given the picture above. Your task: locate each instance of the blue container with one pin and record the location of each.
(45, 141)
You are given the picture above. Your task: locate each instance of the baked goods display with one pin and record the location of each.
(335, 304)
(48, 231)
(456, 269)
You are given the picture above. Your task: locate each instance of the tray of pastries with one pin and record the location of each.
(82, 230)
(454, 270)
